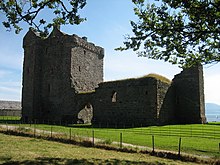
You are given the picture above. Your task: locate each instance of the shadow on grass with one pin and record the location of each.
(57, 161)
(10, 121)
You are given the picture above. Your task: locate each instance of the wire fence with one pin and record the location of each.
(196, 139)
(189, 130)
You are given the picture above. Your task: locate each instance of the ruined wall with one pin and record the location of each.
(126, 103)
(189, 96)
(165, 103)
(62, 80)
(85, 107)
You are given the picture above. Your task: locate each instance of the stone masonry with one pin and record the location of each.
(63, 81)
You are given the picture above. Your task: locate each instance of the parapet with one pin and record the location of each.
(71, 40)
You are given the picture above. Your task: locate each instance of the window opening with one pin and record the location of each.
(86, 114)
(114, 96)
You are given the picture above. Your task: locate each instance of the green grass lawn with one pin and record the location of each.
(198, 139)
(9, 118)
(23, 150)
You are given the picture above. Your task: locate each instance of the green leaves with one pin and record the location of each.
(27, 11)
(180, 32)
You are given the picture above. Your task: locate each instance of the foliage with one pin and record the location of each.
(16, 11)
(180, 32)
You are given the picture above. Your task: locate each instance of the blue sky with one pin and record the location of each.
(107, 23)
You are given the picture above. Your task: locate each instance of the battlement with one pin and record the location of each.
(72, 40)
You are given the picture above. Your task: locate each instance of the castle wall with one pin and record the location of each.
(166, 103)
(56, 88)
(189, 96)
(126, 103)
(63, 80)
(58, 67)
(86, 66)
(31, 75)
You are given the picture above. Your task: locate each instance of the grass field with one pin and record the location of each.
(198, 139)
(23, 150)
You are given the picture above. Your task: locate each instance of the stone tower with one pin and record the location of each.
(55, 70)
(189, 95)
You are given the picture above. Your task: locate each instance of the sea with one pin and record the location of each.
(213, 117)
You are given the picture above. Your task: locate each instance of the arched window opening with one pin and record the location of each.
(114, 97)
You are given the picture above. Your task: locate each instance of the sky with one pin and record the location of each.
(108, 21)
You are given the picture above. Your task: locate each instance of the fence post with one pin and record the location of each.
(93, 138)
(70, 133)
(34, 129)
(19, 128)
(179, 146)
(51, 131)
(120, 140)
(153, 143)
(219, 147)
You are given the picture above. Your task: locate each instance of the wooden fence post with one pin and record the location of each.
(93, 138)
(120, 140)
(153, 143)
(70, 133)
(179, 146)
(34, 129)
(51, 131)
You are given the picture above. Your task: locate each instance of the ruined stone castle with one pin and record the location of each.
(63, 81)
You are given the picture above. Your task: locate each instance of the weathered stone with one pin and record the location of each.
(63, 80)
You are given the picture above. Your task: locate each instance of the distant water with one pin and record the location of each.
(213, 117)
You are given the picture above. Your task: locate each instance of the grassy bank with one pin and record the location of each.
(23, 150)
(198, 139)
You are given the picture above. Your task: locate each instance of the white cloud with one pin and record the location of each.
(11, 60)
(212, 88)
(127, 64)
(212, 83)
(10, 91)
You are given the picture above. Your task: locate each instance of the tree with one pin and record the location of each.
(178, 31)
(16, 11)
